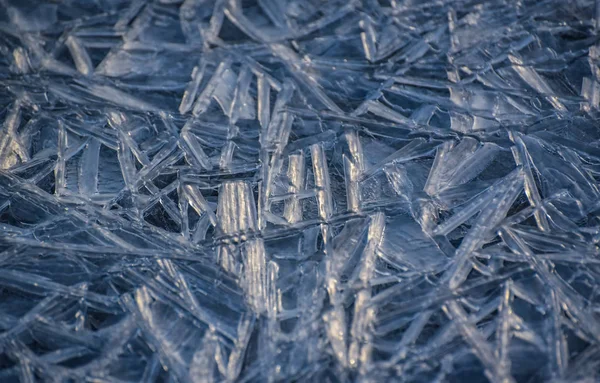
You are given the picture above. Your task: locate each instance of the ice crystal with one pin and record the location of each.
(299, 191)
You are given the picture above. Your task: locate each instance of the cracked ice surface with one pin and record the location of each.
(299, 190)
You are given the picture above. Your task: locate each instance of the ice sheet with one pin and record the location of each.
(299, 191)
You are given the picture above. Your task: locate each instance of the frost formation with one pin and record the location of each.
(299, 191)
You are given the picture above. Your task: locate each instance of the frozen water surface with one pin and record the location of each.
(299, 191)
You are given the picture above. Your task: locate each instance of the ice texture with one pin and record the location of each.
(331, 191)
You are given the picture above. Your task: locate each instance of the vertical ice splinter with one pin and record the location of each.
(189, 95)
(274, 129)
(523, 159)
(322, 183)
(183, 211)
(264, 101)
(296, 174)
(236, 213)
(503, 333)
(21, 60)
(227, 155)
(88, 169)
(354, 167)
(369, 39)
(8, 137)
(434, 180)
(556, 342)
(80, 55)
(216, 21)
(242, 106)
(361, 347)
(351, 178)
(59, 171)
(335, 325)
(255, 281)
(236, 358)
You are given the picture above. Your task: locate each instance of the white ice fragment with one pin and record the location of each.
(203, 101)
(456, 165)
(199, 203)
(9, 142)
(475, 164)
(353, 169)
(503, 334)
(127, 164)
(277, 125)
(335, 325)
(192, 88)
(224, 91)
(522, 158)
(590, 90)
(193, 149)
(296, 173)
(236, 210)
(352, 176)
(322, 182)
(404, 244)
(464, 214)
(236, 358)
(237, 217)
(255, 278)
(360, 348)
(216, 21)
(88, 168)
(21, 60)
(436, 173)
(242, 106)
(59, 170)
(167, 341)
(80, 56)
(369, 39)
(264, 101)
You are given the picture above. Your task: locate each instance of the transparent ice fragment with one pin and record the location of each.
(192, 89)
(208, 92)
(490, 216)
(224, 92)
(297, 174)
(82, 59)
